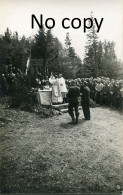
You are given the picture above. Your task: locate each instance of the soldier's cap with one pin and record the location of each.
(78, 79)
(72, 82)
(85, 83)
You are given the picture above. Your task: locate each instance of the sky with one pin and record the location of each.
(16, 15)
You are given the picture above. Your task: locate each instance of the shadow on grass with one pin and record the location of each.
(70, 126)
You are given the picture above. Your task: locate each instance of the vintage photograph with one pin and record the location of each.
(61, 96)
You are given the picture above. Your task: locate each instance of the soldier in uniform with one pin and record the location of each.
(86, 101)
(73, 95)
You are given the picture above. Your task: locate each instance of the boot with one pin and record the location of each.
(73, 121)
(76, 120)
(77, 117)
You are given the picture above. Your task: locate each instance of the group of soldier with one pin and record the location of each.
(73, 96)
(102, 90)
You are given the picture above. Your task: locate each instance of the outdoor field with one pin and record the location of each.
(50, 155)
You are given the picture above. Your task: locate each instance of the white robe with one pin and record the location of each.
(56, 92)
(62, 85)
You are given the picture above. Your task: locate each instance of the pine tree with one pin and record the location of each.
(109, 61)
(72, 61)
(44, 48)
(67, 41)
(14, 50)
(51, 52)
(91, 50)
(39, 46)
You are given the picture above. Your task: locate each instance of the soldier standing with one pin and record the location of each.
(86, 101)
(73, 95)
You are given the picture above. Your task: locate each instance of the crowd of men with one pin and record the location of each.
(103, 90)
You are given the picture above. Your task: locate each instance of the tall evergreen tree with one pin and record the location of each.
(51, 52)
(14, 50)
(72, 61)
(91, 49)
(44, 48)
(67, 41)
(109, 62)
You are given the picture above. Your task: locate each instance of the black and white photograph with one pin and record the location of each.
(61, 97)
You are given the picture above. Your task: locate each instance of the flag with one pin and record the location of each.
(28, 63)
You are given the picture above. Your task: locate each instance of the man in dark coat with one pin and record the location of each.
(73, 95)
(86, 100)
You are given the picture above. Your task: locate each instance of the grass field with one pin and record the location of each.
(50, 155)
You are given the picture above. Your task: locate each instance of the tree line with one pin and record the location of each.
(49, 55)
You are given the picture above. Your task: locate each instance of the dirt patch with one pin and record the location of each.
(50, 155)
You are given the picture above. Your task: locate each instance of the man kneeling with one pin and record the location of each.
(73, 95)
